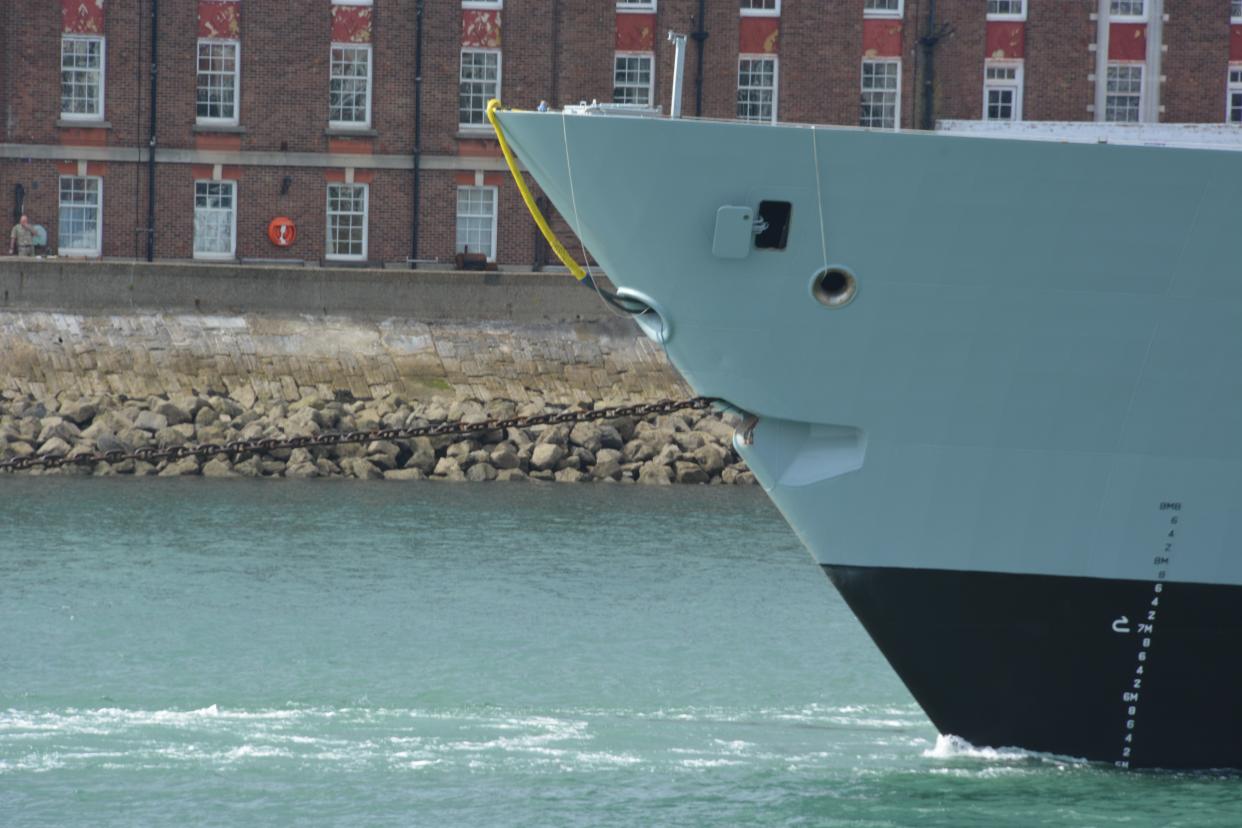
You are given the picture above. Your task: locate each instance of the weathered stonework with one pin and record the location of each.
(285, 358)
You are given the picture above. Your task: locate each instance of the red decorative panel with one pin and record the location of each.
(479, 147)
(882, 38)
(223, 141)
(360, 176)
(82, 16)
(480, 28)
(1006, 40)
(99, 168)
(1127, 41)
(219, 19)
(83, 137)
(206, 172)
(351, 24)
(1235, 43)
(636, 32)
(355, 145)
(759, 35)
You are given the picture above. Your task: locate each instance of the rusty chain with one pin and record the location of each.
(237, 449)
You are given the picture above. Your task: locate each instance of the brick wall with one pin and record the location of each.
(284, 98)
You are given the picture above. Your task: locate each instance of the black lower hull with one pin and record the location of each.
(1135, 673)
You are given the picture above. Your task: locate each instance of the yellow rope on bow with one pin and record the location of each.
(553, 241)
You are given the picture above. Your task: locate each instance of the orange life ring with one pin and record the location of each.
(282, 231)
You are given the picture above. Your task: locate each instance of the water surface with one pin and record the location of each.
(198, 652)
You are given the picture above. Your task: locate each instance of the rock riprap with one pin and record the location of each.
(683, 447)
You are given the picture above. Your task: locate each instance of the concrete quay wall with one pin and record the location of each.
(90, 328)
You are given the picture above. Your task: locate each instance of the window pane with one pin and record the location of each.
(479, 82)
(476, 220)
(78, 222)
(756, 89)
(214, 217)
(347, 220)
(81, 76)
(349, 85)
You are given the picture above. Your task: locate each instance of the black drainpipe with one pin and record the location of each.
(935, 33)
(418, 128)
(699, 35)
(155, 39)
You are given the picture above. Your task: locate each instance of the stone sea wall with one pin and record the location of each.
(107, 356)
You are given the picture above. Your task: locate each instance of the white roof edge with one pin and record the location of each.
(1193, 136)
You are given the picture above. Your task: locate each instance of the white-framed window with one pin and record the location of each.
(218, 67)
(479, 82)
(215, 219)
(760, 8)
(883, 8)
(1233, 113)
(349, 86)
(636, 5)
(347, 221)
(81, 205)
(481, 4)
(1002, 90)
(632, 78)
(756, 88)
(1235, 11)
(81, 78)
(476, 221)
(1123, 101)
(351, 2)
(1127, 9)
(1006, 9)
(881, 94)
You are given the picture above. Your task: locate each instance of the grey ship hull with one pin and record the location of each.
(1021, 431)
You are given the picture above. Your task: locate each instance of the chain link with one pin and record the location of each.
(237, 449)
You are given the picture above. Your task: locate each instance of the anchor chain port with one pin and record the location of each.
(240, 448)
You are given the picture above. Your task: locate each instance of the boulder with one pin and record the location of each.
(150, 421)
(306, 470)
(481, 472)
(570, 476)
(689, 440)
(171, 412)
(360, 468)
(607, 465)
(185, 467)
(55, 447)
(248, 467)
(587, 435)
(58, 427)
(404, 474)
(667, 455)
(79, 412)
(652, 473)
(687, 472)
(446, 466)
(422, 457)
(504, 457)
(168, 437)
(637, 451)
(546, 456)
(717, 429)
(218, 467)
(511, 474)
(711, 458)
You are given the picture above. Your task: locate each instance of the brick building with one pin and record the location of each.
(313, 111)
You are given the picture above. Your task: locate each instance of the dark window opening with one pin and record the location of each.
(774, 214)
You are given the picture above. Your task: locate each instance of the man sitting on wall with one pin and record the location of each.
(22, 238)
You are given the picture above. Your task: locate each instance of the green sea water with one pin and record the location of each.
(198, 652)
